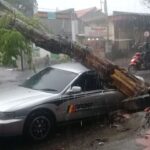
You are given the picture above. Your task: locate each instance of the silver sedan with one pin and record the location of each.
(56, 94)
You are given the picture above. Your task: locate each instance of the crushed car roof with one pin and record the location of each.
(72, 67)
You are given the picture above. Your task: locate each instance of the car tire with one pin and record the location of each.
(39, 125)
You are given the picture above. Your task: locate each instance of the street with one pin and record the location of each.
(87, 135)
(93, 135)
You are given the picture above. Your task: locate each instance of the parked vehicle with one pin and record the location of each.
(56, 94)
(140, 61)
(136, 63)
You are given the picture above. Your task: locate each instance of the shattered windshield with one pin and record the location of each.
(108, 110)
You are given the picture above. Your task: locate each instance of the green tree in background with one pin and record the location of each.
(25, 6)
(13, 45)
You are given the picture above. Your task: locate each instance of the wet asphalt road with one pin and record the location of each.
(92, 135)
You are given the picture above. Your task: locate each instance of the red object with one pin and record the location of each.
(144, 141)
(147, 109)
(71, 108)
(135, 59)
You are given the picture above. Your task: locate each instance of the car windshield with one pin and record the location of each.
(50, 80)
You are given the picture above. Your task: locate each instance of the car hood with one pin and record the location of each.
(16, 97)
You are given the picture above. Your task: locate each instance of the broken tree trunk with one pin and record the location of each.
(124, 82)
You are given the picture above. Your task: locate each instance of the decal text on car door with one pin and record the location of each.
(79, 107)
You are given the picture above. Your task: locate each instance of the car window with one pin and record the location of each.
(50, 80)
(89, 81)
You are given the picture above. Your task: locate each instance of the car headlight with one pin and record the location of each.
(7, 115)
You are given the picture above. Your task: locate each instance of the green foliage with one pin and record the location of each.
(23, 2)
(23, 5)
(12, 43)
(4, 21)
(34, 21)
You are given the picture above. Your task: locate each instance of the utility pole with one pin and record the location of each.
(107, 26)
(107, 19)
(101, 5)
(105, 7)
(22, 62)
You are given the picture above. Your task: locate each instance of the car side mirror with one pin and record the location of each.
(74, 90)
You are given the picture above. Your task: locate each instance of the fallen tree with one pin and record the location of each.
(125, 82)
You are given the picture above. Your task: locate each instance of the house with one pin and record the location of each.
(87, 26)
(93, 29)
(60, 23)
(129, 29)
(63, 23)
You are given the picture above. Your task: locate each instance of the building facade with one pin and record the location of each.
(94, 29)
(63, 23)
(129, 29)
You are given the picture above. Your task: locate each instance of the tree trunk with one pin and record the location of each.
(21, 57)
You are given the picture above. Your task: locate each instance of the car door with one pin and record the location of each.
(109, 100)
(83, 104)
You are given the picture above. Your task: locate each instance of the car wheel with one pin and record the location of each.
(39, 126)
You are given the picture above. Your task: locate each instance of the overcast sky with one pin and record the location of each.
(119, 5)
